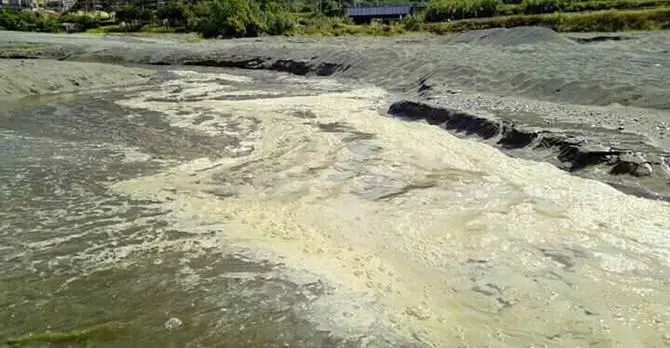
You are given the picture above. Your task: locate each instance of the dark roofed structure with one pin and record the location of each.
(367, 14)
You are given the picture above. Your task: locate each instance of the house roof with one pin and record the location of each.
(379, 11)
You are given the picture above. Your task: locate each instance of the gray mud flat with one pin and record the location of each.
(21, 77)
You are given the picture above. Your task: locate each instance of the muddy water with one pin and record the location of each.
(267, 210)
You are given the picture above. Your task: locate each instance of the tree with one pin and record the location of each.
(145, 15)
(442, 10)
(127, 14)
(175, 14)
(278, 18)
(83, 21)
(332, 8)
(229, 18)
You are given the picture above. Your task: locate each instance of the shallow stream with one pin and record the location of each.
(229, 209)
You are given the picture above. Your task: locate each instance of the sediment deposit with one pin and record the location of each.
(388, 192)
(605, 97)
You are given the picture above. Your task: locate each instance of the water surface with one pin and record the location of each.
(268, 210)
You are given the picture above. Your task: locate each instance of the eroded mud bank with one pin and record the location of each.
(600, 109)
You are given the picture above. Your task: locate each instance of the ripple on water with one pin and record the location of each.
(103, 268)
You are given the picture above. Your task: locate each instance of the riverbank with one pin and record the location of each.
(602, 20)
(604, 95)
(20, 78)
(263, 208)
(438, 17)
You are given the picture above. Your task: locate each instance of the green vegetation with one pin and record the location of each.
(97, 333)
(551, 6)
(443, 10)
(240, 18)
(45, 22)
(602, 21)
(28, 21)
(248, 18)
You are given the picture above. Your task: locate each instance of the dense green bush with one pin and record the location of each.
(29, 21)
(244, 18)
(241, 18)
(228, 18)
(174, 14)
(600, 5)
(128, 14)
(413, 23)
(278, 19)
(322, 25)
(605, 21)
(85, 22)
(444, 10)
(213, 18)
(542, 6)
(551, 6)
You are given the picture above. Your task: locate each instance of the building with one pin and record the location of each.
(114, 5)
(17, 4)
(361, 15)
(58, 5)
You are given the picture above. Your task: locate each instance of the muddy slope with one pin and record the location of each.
(530, 62)
(603, 101)
(19, 78)
(639, 173)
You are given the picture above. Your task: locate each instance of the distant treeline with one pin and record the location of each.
(245, 18)
(225, 18)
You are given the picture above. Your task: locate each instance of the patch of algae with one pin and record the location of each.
(21, 51)
(84, 337)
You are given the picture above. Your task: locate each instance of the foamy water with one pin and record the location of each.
(442, 239)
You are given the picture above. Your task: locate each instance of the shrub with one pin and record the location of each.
(128, 13)
(229, 18)
(145, 15)
(156, 29)
(174, 14)
(443, 10)
(605, 21)
(412, 23)
(542, 6)
(83, 21)
(278, 19)
(29, 21)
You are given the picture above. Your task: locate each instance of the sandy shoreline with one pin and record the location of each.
(609, 95)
